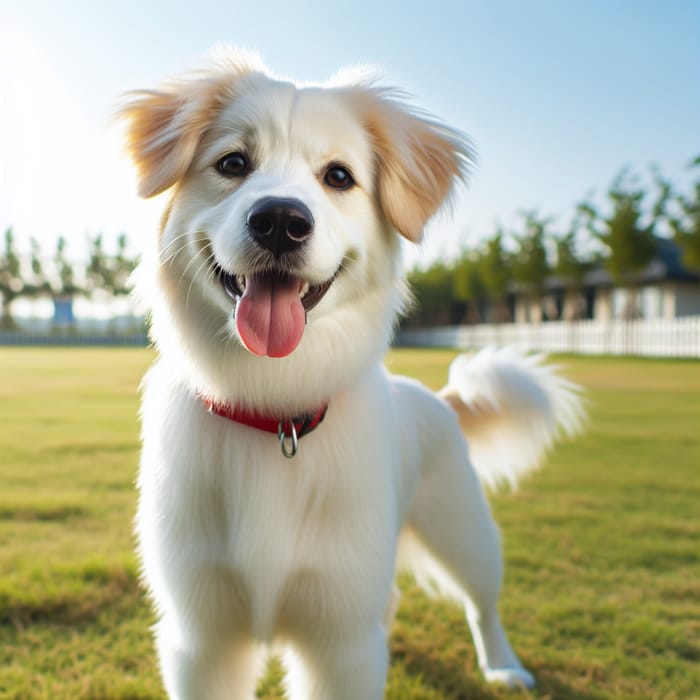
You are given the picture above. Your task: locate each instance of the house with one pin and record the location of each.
(664, 289)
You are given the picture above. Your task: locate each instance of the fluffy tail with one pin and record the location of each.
(512, 407)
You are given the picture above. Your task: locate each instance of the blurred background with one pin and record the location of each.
(579, 233)
(585, 117)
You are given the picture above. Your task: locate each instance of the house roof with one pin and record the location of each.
(671, 256)
(667, 265)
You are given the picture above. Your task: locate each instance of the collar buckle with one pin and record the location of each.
(288, 430)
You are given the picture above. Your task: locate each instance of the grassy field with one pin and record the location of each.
(602, 595)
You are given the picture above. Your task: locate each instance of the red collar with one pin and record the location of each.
(287, 429)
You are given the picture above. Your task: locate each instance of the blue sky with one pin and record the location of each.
(556, 95)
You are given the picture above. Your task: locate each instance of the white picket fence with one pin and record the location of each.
(655, 338)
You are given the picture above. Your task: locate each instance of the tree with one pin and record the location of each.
(433, 292)
(36, 283)
(11, 282)
(686, 227)
(468, 286)
(109, 272)
(631, 242)
(530, 265)
(63, 288)
(123, 267)
(64, 285)
(495, 272)
(571, 269)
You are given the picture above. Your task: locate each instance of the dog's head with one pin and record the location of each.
(286, 200)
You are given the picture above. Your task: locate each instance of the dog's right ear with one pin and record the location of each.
(165, 126)
(162, 132)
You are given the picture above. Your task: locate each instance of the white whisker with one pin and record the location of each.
(167, 256)
(165, 252)
(206, 262)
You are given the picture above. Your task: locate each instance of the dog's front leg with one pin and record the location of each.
(342, 668)
(193, 669)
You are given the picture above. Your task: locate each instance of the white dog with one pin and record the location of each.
(274, 294)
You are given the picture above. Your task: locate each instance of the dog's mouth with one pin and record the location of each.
(270, 308)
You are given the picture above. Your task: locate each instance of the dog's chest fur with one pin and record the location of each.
(267, 538)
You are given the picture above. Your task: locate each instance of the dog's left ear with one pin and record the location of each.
(419, 159)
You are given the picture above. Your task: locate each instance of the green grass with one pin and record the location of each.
(602, 594)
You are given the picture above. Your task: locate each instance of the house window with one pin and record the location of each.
(651, 302)
(626, 303)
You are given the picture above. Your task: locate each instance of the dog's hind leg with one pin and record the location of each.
(451, 519)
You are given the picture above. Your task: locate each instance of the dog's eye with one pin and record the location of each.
(338, 177)
(233, 165)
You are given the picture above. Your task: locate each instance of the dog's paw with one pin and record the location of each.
(514, 678)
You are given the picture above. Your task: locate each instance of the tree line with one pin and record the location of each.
(621, 236)
(59, 277)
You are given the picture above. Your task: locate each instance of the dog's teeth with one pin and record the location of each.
(241, 282)
(305, 290)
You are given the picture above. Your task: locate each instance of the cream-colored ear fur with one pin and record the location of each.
(164, 126)
(419, 159)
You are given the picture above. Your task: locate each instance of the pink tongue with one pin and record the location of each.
(270, 317)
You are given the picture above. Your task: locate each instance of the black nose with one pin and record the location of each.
(280, 225)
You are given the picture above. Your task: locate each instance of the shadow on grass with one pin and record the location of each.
(81, 604)
(450, 671)
(550, 687)
(457, 678)
(39, 512)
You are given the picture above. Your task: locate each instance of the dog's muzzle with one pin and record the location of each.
(272, 298)
(280, 225)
